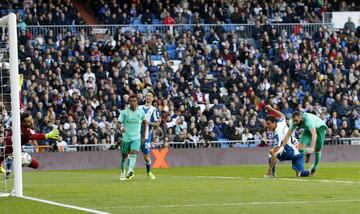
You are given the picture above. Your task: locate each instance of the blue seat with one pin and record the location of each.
(20, 12)
(170, 47)
(142, 29)
(155, 57)
(155, 21)
(137, 21)
(132, 20)
(229, 28)
(224, 143)
(171, 53)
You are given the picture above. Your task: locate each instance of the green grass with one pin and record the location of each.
(193, 190)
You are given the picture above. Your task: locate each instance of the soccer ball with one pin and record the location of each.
(25, 159)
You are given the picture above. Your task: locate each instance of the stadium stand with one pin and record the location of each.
(225, 11)
(210, 83)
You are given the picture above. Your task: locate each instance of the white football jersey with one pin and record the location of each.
(279, 135)
(151, 115)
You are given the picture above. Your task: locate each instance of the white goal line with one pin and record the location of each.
(65, 205)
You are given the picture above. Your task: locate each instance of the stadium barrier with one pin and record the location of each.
(165, 158)
(242, 30)
(177, 145)
(184, 144)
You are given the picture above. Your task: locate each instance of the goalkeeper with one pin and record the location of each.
(27, 135)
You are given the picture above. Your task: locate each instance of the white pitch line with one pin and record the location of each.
(228, 204)
(4, 195)
(310, 180)
(65, 205)
(284, 179)
(220, 177)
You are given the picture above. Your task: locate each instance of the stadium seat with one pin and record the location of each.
(171, 54)
(155, 21)
(156, 57)
(132, 20)
(137, 21)
(224, 143)
(170, 47)
(229, 28)
(228, 21)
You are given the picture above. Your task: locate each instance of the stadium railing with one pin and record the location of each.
(242, 30)
(177, 145)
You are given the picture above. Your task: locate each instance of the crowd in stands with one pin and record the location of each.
(42, 12)
(218, 91)
(63, 12)
(215, 11)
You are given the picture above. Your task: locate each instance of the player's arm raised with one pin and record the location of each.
(54, 134)
(284, 142)
(278, 114)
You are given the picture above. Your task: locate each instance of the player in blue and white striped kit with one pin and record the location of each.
(278, 125)
(153, 119)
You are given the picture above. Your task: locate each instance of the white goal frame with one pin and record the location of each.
(9, 21)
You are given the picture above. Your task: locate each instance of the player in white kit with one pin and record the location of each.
(153, 119)
(277, 124)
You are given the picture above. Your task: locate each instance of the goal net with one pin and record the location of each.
(10, 134)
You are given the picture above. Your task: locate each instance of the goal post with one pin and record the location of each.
(10, 42)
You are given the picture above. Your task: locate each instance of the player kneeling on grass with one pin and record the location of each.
(313, 135)
(132, 121)
(290, 153)
(277, 124)
(27, 135)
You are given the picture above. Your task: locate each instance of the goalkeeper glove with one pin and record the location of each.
(54, 134)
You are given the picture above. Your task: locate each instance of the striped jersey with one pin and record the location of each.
(151, 116)
(291, 148)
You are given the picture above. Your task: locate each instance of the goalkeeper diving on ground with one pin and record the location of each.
(27, 135)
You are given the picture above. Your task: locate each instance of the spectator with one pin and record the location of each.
(146, 17)
(246, 136)
(349, 25)
(168, 20)
(87, 73)
(61, 145)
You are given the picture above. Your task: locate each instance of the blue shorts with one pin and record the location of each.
(297, 160)
(146, 147)
(298, 163)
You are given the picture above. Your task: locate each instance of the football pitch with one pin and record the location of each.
(215, 189)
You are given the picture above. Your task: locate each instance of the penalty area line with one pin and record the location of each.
(64, 205)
